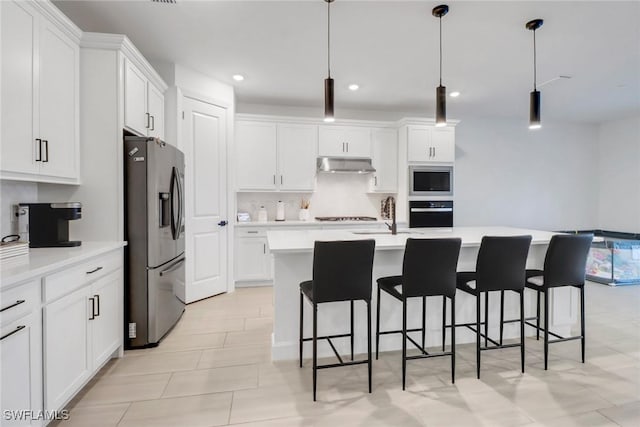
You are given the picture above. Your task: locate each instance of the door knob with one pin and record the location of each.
(222, 223)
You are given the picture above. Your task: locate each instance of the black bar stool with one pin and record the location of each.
(428, 269)
(564, 265)
(500, 266)
(342, 271)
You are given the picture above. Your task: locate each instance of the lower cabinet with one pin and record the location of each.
(253, 261)
(21, 361)
(106, 325)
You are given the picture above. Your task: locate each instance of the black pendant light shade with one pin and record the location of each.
(534, 110)
(441, 91)
(328, 100)
(328, 82)
(534, 97)
(441, 106)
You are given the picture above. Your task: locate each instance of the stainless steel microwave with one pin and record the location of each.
(431, 181)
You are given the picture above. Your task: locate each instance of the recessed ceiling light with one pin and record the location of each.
(329, 119)
(238, 77)
(454, 94)
(354, 87)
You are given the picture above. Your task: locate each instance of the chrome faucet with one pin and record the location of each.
(390, 207)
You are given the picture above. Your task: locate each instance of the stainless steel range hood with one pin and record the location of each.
(338, 164)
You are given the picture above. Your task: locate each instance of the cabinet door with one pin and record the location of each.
(136, 115)
(358, 142)
(156, 112)
(252, 259)
(331, 141)
(66, 356)
(20, 361)
(106, 328)
(444, 146)
(297, 156)
(385, 160)
(256, 155)
(58, 93)
(419, 147)
(18, 29)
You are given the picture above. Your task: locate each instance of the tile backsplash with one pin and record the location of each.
(12, 193)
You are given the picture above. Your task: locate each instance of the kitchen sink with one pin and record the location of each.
(382, 233)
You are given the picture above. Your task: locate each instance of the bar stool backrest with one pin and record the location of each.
(342, 270)
(566, 260)
(502, 262)
(429, 267)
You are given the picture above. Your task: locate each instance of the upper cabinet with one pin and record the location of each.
(430, 144)
(40, 95)
(344, 141)
(384, 158)
(143, 103)
(273, 156)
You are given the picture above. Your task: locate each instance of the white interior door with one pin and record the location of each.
(206, 196)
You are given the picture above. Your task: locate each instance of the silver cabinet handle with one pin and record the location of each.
(434, 151)
(97, 298)
(46, 151)
(148, 120)
(264, 248)
(18, 302)
(281, 180)
(375, 180)
(252, 232)
(274, 180)
(93, 308)
(347, 147)
(153, 122)
(39, 151)
(94, 270)
(17, 329)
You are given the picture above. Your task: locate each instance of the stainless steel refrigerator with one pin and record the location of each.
(154, 230)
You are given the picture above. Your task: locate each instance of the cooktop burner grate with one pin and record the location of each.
(345, 218)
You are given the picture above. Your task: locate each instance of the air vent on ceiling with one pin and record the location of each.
(165, 1)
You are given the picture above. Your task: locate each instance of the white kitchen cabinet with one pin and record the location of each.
(67, 363)
(21, 351)
(430, 144)
(297, 145)
(106, 326)
(384, 158)
(40, 95)
(344, 141)
(256, 155)
(143, 103)
(275, 157)
(253, 260)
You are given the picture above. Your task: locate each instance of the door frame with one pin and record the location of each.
(182, 94)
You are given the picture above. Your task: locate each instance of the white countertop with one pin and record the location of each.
(286, 241)
(43, 261)
(311, 222)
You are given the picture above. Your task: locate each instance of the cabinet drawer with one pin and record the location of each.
(251, 233)
(59, 284)
(19, 301)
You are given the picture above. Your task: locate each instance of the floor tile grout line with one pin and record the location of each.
(233, 393)
(124, 413)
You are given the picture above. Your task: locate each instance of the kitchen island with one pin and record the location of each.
(292, 252)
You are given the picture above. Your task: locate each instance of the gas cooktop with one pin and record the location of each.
(345, 218)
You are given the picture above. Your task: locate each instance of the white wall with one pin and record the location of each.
(506, 174)
(619, 175)
(12, 193)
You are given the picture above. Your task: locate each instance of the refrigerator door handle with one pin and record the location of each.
(174, 189)
(180, 203)
(172, 267)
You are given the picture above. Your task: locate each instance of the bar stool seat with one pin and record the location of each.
(390, 285)
(307, 289)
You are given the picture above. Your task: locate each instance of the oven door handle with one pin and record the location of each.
(431, 209)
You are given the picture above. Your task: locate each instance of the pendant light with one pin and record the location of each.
(328, 82)
(441, 91)
(534, 97)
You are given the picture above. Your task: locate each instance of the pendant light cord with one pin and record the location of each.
(440, 50)
(534, 60)
(329, 39)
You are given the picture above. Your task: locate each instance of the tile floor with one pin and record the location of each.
(214, 369)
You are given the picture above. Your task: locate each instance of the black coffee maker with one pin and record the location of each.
(49, 223)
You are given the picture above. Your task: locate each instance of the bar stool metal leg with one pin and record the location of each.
(546, 328)
(501, 315)
(453, 339)
(378, 323)
(351, 330)
(315, 349)
(369, 341)
(444, 321)
(478, 334)
(486, 318)
(301, 327)
(424, 320)
(538, 316)
(521, 329)
(404, 342)
(582, 326)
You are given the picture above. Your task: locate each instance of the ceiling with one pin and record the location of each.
(390, 48)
